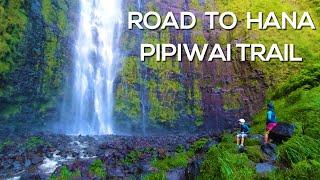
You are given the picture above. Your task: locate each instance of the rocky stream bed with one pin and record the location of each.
(55, 156)
(41, 155)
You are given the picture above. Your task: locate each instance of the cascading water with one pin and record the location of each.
(95, 68)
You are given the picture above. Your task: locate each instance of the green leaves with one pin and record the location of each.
(98, 169)
(65, 174)
(298, 149)
(223, 164)
(13, 21)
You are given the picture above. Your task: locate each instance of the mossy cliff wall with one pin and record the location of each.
(212, 94)
(36, 49)
(184, 95)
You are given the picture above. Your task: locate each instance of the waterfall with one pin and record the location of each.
(95, 67)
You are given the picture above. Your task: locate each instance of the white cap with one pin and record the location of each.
(242, 120)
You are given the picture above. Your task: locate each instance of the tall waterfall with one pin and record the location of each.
(95, 67)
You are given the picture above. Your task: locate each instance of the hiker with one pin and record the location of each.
(244, 131)
(271, 121)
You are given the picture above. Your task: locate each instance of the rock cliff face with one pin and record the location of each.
(184, 95)
(40, 41)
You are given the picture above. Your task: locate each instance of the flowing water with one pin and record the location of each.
(95, 67)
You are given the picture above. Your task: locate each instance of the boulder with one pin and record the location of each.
(17, 166)
(193, 168)
(35, 159)
(176, 174)
(270, 150)
(282, 132)
(262, 168)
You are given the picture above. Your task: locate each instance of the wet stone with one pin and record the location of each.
(264, 168)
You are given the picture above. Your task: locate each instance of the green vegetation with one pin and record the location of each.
(46, 75)
(136, 155)
(179, 159)
(10, 110)
(299, 149)
(155, 176)
(223, 164)
(132, 157)
(13, 20)
(34, 142)
(300, 107)
(306, 40)
(293, 87)
(54, 14)
(66, 174)
(305, 170)
(4, 144)
(198, 145)
(98, 169)
(127, 95)
(255, 154)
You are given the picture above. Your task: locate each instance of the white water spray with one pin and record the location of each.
(95, 67)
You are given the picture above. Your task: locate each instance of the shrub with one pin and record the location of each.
(178, 160)
(308, 77)
(132, 157)
(299, 149)
(155, 176)
(97, 169)
(305, 170)
(65, 174)
(255, 154)
(198, 145)
(34, 142)
(5, 143)
(252, 141)
(223, 164)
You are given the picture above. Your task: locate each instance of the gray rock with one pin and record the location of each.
(193, 169)
(35, 159)
(270, 150)
(116, 172)
(264, 168)
(176, 174)
(27, 163)
(16, 166)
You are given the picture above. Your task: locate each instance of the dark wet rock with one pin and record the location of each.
(270, 150)
(162, 153)
(27, 163)
(176, 174)
(118, 172)
(146, 167)
(17, 166)
(193, 168)
(264, 168)
(110, 149)
(242, 149)
(282, 132)
(209, 144)
(33, 176)
(81, 165)
(35, 159)
(75, 154)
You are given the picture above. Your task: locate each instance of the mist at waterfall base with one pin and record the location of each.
(88, 104)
